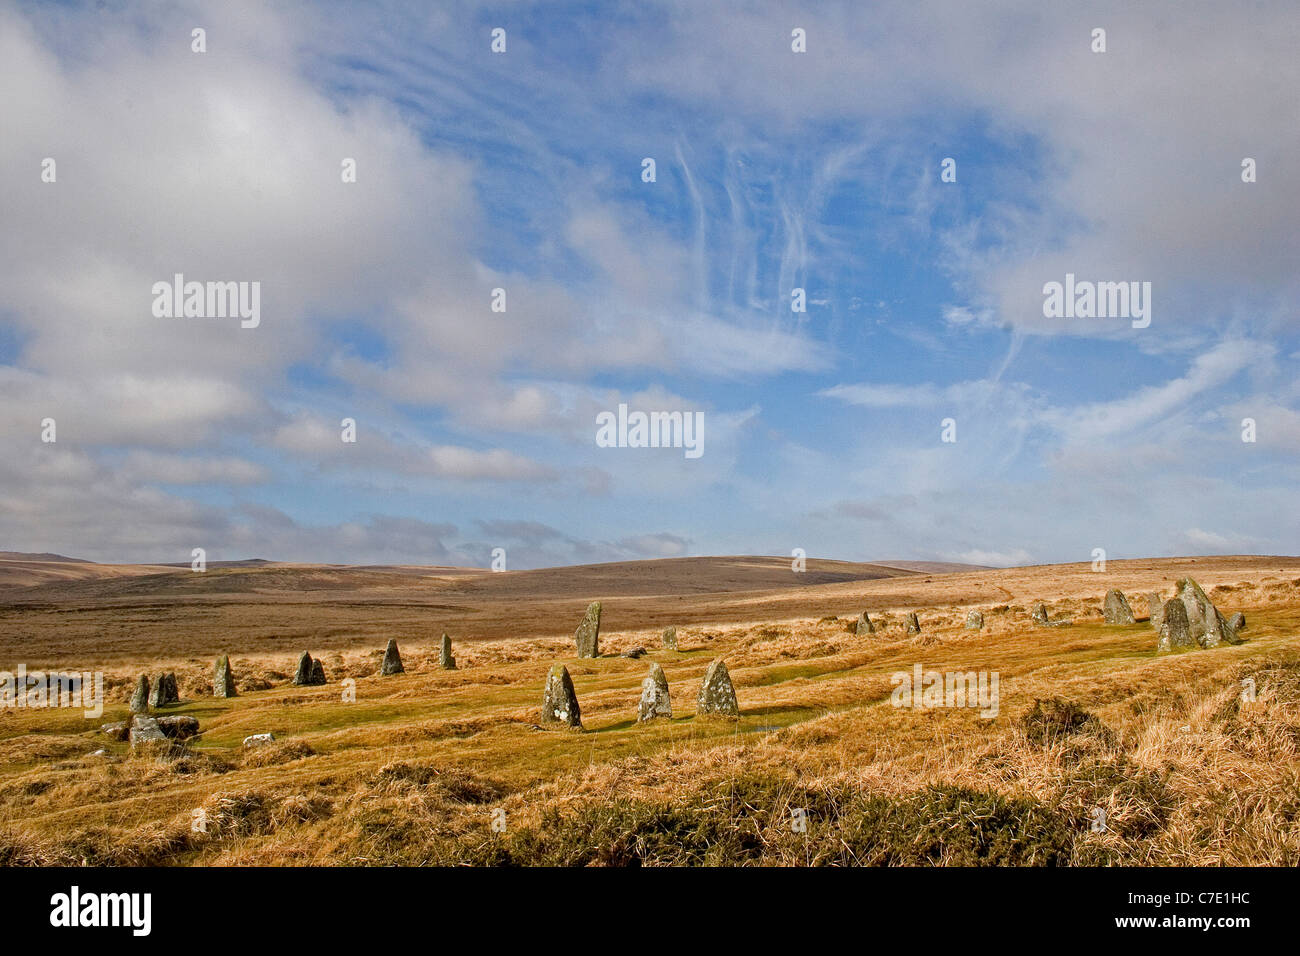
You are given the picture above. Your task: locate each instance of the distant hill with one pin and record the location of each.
(43, 556)
(661, 576)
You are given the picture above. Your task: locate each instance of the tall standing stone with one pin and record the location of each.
(1116, 609)
(560, 701)
(974, 621)
(655, 701)
(1040, 614)
(140, 696)
(164, 691)
(1156, 609)
(864, 625)
(445, 658)
(392, 660)
(1175, 631)
(302, 676)
(670, 638)
(1209, 627)
(587, 636)
(317, 672)
(717, 695)
(913, 624)
(223, 681)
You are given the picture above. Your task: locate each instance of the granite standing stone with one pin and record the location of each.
(140, 696)
(1116, 609)
(310, 671)
(1040, 614)
(1209, 627)
(913, 624)
(157, 693)
(445, 658)
(587, 636)
(655, 700)
(1156, 609)
(1175, 631)
(392, 660)
(717, 695)
(223, 681)
(670, 638)
(1237, 622)
(864, 625)
(974, 621)
(302, 676)
(560, 701)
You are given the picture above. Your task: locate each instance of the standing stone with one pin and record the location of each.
(670, 638)
(1040, 614)
(302, 676)
(140, 696)
(1156, 609)
(974, 621)
(444, 654)
(1209, 627)
(310, 672)
(392, 660)
(864, 625)
(223, 682)
(913, 624)
(560, 702)
(717, 695)
(1175, 631)
(1237, 622)
(164, 691)
(655, 701)
(587, 636)
(145, 730)
(1116, 609)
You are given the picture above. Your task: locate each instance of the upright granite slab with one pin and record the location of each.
(655, 700)
(139, 703)
(1116, 608)
(392, 662)
(587, 636)
(717, 695)
(560, 700)
(1175, 630)
(223, 681)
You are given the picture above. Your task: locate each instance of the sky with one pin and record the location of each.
(775, 170)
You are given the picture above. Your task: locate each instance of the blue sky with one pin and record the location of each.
(776, 170)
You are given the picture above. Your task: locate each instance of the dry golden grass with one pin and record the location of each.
(415, 769)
